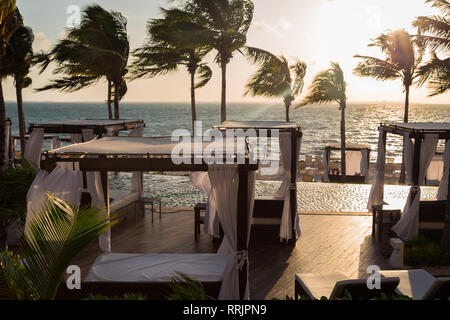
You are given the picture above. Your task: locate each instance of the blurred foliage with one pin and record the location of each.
(423, 252)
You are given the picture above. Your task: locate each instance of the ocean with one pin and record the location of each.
(320, 126)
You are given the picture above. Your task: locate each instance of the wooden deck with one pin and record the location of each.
(328, 243)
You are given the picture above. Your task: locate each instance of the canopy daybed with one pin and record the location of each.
(125, 204)
(421, 140)
(276, 218)
(113, 273)
(357, 159)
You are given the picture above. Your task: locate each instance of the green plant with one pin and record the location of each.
(422, 251)
(186, 288)
(54, 237)
(126, 296)
(14, 184)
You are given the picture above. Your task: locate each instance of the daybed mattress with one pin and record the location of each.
(120, 199)
(123, 267)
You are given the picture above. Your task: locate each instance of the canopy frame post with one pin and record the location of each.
(292, 190)
(416, 165)
(242, 225)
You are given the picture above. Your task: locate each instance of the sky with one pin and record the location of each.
(314, 31)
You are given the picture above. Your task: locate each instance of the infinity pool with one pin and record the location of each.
(177, 191)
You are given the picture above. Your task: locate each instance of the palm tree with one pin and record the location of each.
(58, 234)
(168, 48)
(7, 9)
(98, 48)
(329, 86)
(403, 58)
(225, 23)
(274, 78)
(435, 33)
(16, 63)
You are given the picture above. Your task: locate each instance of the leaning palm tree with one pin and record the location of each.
(7, 9)
(168, 47)
(403, 56)
(98, 48)
(275, 78)
(435, 33)
(225, 23)
(329, 86)
(58, 234)
(17, 62)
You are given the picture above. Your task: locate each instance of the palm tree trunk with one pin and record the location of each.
(223, 104)
(193, 109)
(21, 115)
(343, 143)
(116, 101)
(287, 106)
(110, 113)
(402, 178)
(2, 129)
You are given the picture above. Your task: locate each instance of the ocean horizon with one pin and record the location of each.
(320, 124)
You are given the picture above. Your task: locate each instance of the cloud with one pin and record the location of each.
(41, 42)
(277, 28)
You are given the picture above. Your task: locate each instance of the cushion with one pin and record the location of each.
(317, 285)
(413, 283)
(123, 267)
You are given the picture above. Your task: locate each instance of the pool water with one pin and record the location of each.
(177, 191)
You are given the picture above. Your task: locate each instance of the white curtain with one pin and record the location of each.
(443, 184)
(62, 182)
(377, 190)
(364, 168)
(137, 177)
(284, 190)
(408, 226)
(34, 146)
(225, 184)
(326, 177)
(55, 143)
(353, 162)
(201, 181)
(94, 187)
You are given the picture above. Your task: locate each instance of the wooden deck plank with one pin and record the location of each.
(328, 243)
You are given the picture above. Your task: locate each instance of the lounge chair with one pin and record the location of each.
(336, 285)
(419, 284)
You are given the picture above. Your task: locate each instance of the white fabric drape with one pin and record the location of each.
(225, 184)
(137, 177)
(55, 143)
(377, 190)
(63, 183)
(409, 158)
(34, 146)
(284, 190)
(353, 161)
(326, 177)
(201, 181)
(364, 168)
(408, 226)
(436, 169)
(94, 187)
(443, 184)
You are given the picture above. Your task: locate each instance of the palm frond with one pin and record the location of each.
(376, 68)
(204, 74)
(54, 237)
(328, 86)
(184, 287)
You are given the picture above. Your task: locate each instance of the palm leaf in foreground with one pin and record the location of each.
(184, 287)
(55, 237)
